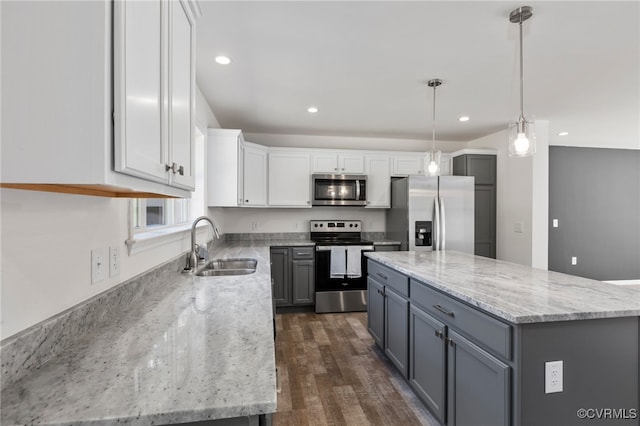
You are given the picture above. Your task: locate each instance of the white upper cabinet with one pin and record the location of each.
(289, 178)
(225, 168)
(345, 163)
(182, 92)
(255, 175)
(408, 164)
(378, 173)
(123, 72)
(154, 92)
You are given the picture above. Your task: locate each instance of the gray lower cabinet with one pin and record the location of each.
(293, 275)
(388, 313)
(375, 311)
(303, 282)
(479, 389)
(455, 357)
(396, 326)
(280, 275)
(427, 361)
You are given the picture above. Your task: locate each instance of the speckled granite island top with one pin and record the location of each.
(515, 293)
(193, 349)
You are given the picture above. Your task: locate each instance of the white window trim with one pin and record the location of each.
(138, 242)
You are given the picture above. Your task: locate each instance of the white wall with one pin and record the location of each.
(521, 198)
(347, 142)
(46, 241)
(250, 220)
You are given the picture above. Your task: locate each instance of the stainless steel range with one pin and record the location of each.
(341, 267)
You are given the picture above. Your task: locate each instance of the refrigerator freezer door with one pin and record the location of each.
(423, 192)
(457, 193)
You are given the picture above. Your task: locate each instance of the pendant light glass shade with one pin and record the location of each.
(434, 162)
(522, 139)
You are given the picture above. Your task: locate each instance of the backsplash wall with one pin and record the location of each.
(267, 220)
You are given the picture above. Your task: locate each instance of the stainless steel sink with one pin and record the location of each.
(222, 267)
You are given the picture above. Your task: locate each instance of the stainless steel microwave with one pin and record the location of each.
(339, 190)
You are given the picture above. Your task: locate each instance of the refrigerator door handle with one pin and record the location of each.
(444, 227)
(436, 238)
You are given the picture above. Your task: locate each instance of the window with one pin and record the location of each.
(152, 214)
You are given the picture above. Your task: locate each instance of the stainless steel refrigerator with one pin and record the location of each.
(432, 213)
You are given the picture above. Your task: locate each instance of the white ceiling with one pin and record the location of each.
(365, 64)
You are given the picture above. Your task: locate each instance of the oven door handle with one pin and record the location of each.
(328, 248)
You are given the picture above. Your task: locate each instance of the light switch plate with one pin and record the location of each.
(99, 265)
(555, 223)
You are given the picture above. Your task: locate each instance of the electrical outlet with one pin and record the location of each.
(99, 265)
(574, 260)
(555, 223)
(553, 377)
(254, 226)
(114, 261)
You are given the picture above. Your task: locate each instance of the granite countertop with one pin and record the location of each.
(194, 349)
(516, 293)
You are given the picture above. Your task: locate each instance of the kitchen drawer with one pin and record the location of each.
(475, 325)
(389, 277)
(303, 253)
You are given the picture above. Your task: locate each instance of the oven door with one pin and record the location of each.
(339, 190)
(324, 282)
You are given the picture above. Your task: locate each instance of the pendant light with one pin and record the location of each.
(433, 165)
(522, 139)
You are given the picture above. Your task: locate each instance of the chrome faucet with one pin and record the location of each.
(192, 257)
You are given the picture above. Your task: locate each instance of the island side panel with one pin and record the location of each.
(600, 371)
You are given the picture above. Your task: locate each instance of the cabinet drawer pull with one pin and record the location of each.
(439, 334)
(383, 276)
(443, 310)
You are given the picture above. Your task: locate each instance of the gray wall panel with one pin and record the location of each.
(595, 195)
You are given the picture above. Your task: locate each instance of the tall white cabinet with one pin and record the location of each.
(154, 91)
(100, 100)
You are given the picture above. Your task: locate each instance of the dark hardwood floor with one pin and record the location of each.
(331, 373)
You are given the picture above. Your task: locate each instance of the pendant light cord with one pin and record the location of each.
(522, 119)
(433, 133)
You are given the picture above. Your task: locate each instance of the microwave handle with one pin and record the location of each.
(357, 189)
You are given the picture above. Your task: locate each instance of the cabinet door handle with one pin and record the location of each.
(439, 334)
(384, 277)
(443, 310)
(449, 340)
(335, 169)
(246, 201)
(175, 168)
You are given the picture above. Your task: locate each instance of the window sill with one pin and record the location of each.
(147, 240)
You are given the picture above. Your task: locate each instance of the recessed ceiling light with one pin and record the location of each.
(223, 60)
(563, 133)
(463, 118)
(312, 110)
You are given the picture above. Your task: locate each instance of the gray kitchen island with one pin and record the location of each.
(487, 342)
